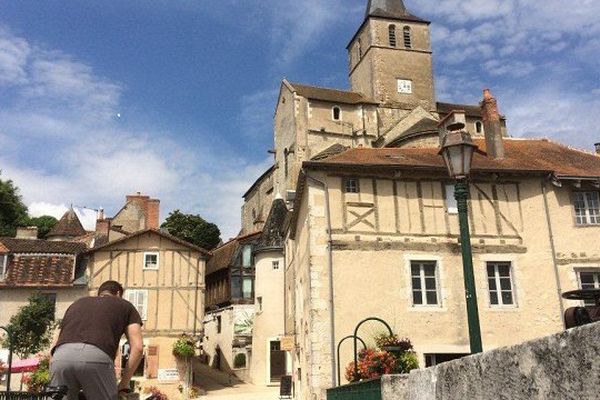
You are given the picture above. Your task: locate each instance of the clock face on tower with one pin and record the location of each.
(404, 86)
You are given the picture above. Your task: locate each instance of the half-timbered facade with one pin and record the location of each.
(163, 278)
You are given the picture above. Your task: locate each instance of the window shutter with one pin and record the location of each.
(152, 362)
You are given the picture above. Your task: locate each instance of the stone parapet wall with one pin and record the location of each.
(561, 366)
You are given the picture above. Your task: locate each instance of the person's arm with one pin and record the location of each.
(136, 344)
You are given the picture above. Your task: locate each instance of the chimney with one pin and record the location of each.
(27, 232)
(152, 213)
(102, 224)
(597, 146)
(492, 126)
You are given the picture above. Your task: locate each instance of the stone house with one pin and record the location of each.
(374, 230)
(244, 321)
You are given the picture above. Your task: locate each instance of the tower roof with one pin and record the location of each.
(390, 9)
(69, 226)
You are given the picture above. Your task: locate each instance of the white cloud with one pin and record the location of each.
(257, 112)
(62, 145)
(13, 58)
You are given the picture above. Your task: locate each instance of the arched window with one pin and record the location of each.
(392, 35)
(359, 49)
(336, 113)
(478, 127)
(407, 38)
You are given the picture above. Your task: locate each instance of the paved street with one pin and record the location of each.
(242, 392)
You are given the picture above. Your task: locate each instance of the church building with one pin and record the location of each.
(373, 224)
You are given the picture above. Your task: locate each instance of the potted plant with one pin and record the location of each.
(184, 347)
(393, 344)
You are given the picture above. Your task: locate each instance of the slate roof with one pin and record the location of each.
(223, 256)
(393, 9)
(37, 246)
(331, 95)
(521, 155)
(69, 225)
(273, 232)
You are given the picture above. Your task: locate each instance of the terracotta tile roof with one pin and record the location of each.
(471, 110)
(37, 246)
(39, 270)
(522, 155)
(222, 257)
(332, 95)
(69, 225)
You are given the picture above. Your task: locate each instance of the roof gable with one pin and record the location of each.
(159, 233)
(69, 226)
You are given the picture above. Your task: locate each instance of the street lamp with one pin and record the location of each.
(457, 151)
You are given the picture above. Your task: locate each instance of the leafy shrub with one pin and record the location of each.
(39, 378)
(239, 361)
(184, 347)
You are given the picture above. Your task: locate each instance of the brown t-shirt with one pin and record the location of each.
(99, 321)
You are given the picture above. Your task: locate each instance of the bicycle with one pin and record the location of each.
(59, 392)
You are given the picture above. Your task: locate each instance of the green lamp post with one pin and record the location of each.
(457, 151)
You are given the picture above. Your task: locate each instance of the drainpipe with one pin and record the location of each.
(553, 248)
(330, 269)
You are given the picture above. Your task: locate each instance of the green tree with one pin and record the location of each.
(13, 212)
(45, 223)
(31, 327)
(193, 229)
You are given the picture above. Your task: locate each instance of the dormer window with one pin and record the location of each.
(407, 38)
(336, 113)
(392, 35)
(478, 127)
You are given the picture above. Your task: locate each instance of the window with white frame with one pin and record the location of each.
(336, 113)
(351, 185)
(139, 299)
(3, 264)
(151, 260)
(589, 280)
(500, 284)
(424, 283)
(587, 208)
(451, 204)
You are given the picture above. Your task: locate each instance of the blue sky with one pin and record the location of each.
(195, 84)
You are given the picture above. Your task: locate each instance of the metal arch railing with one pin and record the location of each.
(356, 341)
(339, 375)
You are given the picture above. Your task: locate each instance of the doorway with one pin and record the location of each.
(278, 361)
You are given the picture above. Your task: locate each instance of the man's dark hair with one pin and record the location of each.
(112, 287)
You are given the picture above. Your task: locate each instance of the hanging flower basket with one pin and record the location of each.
(184, 347)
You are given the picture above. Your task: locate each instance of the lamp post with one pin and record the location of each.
(457, 151)
(9, 361)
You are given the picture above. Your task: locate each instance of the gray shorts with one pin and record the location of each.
(84, 367)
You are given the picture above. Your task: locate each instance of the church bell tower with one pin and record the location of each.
(390, 57)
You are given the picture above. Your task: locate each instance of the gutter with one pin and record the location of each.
(553, 249)
(330, 270)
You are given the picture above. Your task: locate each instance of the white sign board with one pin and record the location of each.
(168, 375)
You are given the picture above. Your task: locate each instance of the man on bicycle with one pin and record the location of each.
(84, 353)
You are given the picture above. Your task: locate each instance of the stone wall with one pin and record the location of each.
(561, 366)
